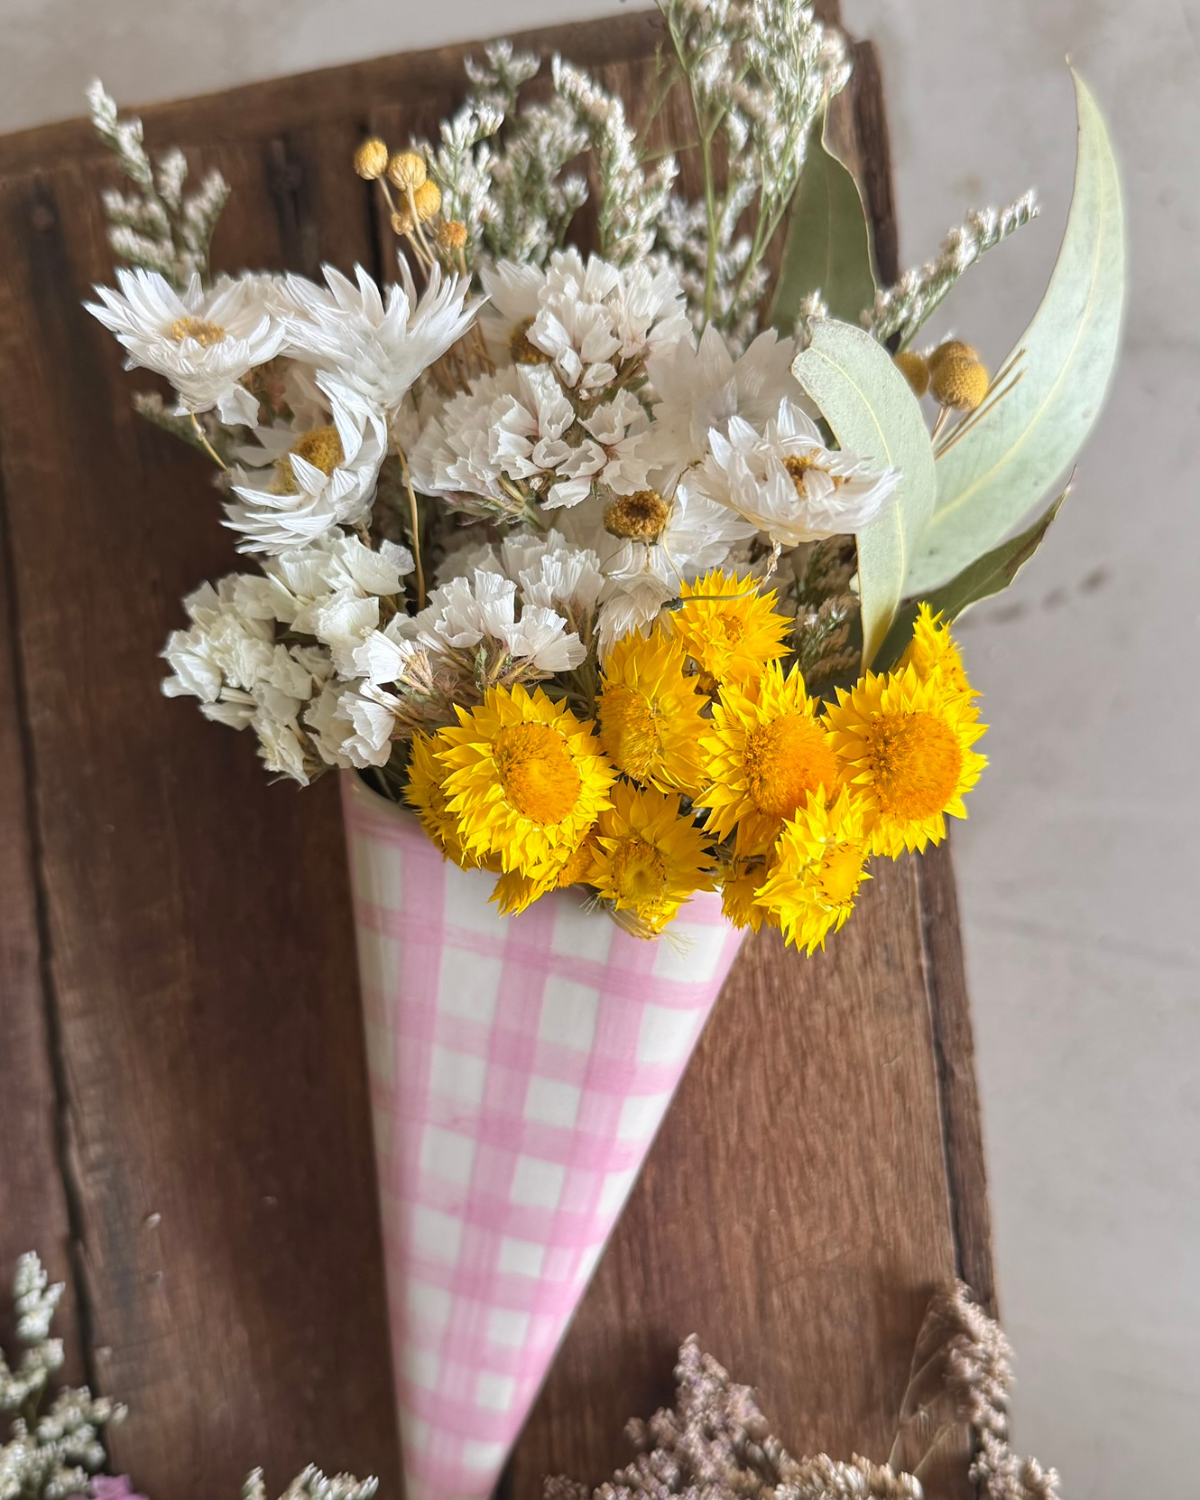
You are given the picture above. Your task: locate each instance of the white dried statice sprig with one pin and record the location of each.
(51, 1453)
(903, 308)
(501, 164)
(313, 1485)
(757, 74)
(631, 200)
(158, 227)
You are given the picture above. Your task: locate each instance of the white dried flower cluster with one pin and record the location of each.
(901, 309)
(158, 227)
(50, 1453)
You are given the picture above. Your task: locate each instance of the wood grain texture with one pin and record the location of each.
(183, 1068)
(794, 1211)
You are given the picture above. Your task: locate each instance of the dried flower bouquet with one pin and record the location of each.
(600, 563)
(630, 574)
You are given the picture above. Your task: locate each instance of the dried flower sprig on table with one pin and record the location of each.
(716, 1443)
(52, 1448)
(56, 1453)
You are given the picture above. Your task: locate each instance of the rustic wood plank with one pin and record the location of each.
(197, 947)
(198, 925)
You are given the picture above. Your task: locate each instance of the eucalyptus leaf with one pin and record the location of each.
(874, 414)
(991, 476)
(987, 575)
(828, 245)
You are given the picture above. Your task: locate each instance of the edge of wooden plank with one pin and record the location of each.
(305, 99)
(946, 984)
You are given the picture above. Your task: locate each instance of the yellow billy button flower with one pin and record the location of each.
(766, 751)
(905, 749)
(649, 857)
(933, 653)
(524, 777)
(649, 713)
(730, 629)
(817, 870)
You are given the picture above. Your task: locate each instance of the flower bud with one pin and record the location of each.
(915, 369)
(371, 158)
(959, 382)
(951, 349)
(452, 234)
(428, 198)
(407, 170)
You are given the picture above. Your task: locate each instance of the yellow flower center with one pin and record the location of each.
(916, 763)
(197, 329)
(522, 351)
(536, 771)
(798, 466)
(638, 874)
(321, 447)
(841, 874)
(629, 731)
(785, 760)
(641, 516)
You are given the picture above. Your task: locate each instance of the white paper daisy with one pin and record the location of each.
(378, 345)
(204, 341)
(785, 481)
(303, 483)
(699, 386)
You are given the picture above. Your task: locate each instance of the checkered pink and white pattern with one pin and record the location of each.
(520, 1068)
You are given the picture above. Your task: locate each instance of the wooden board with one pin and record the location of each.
(182, 1094)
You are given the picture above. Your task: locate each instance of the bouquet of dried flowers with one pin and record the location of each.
(626, 571)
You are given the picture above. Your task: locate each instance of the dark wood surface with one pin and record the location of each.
(183, 1109)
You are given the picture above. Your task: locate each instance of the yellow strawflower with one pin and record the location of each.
(649, 858)
(817, 870)
(513, 892)
(765, 752)
(740, 884)
(524, 777)
(426, 794)
(933, 653)
(905, 749)
(730, 629)
(649, 713)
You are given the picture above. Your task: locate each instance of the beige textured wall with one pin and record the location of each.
(1078, 870)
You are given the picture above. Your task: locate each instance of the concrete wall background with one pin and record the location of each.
(1077, 868)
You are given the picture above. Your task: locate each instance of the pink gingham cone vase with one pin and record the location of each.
(519, 1069)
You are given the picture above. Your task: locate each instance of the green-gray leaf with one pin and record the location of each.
(991, 477)
(987, 575)
(874, 414)
(828, 246)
